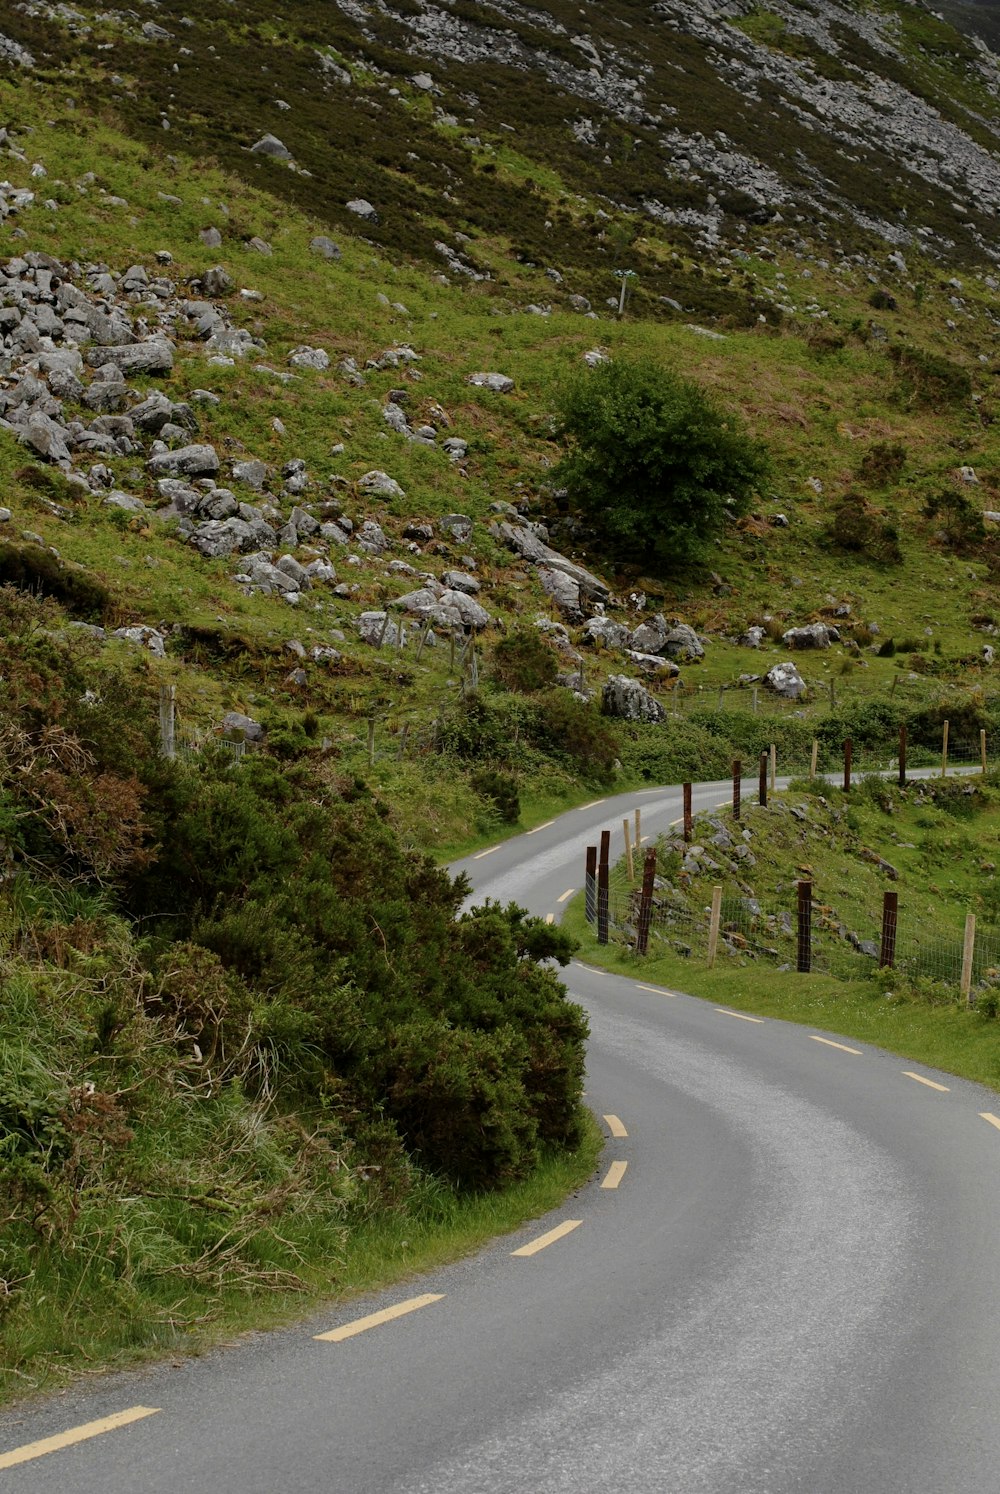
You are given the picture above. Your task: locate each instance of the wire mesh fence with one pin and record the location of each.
(801, 932)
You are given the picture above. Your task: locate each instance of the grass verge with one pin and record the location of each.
(944, 1036)
(94, 1330)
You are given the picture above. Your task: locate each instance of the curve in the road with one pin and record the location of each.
(782, 1281)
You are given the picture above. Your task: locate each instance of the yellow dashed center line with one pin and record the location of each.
(592, 805)
(568, 893)
(656, 990)
(540, 827)
(376, 1319)
(89, 1429)
(481, 854)
(994, 1120)
(725, 1012)
(615, 1126)
(614, 1175)
(592, 969)
(550, 918)
(831, 1044)
(543, 1241)
(929, 1082)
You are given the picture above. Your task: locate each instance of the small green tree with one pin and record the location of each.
(654, 462)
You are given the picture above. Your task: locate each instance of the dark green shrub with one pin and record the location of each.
(882, 300)
(858, 530)
(486, 727)
(458, 1100)
(929, 380)
(575, 730)
(654, 463)
(522, 661)
(882, 463)
(957, 519)
(30, 568)
(500, 791)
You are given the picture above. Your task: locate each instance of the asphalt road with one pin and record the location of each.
(791, 1287)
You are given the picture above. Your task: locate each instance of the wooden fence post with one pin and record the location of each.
(590, 885)
(887, 948)
(713, 925)
(630, 864)
(754, 697)
(902, 756)
(968, 950)
(848, 750)
(737, 786)
(982, 747)
(602, 888)
(638, 828)
(944, 750)
(773, 765)
(371, 740)
(646, 903)
(688, 829)
(762, 783)
(803, 962)
(168, 702)
(402, 739)
(814, 757)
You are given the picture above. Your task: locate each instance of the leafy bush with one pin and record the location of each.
(929, 380)
(523, 661)
(575, 730)
(857, 529)
(654, 463)
(958, 520)
(500, 791)
(882, 463)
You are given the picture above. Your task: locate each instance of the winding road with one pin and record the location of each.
(783, 1279)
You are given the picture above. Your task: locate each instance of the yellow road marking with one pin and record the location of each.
(831, 1044)
(643, 839)
(553, 1235)
(481, 854)
(376, 1319)
(594, 969)
(614, 1175)
(656, 990)
(89, 1429)
(593, 804)
(929, 1082)
(725, 1012)
(568, 893)
(994, 1120)
(540, 827)
(615, 1126)
(550, 918)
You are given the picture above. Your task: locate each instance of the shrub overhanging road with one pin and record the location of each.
(789, 1289)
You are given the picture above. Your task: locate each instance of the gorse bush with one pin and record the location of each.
(654, 463)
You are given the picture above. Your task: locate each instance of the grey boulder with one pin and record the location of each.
(629, 700)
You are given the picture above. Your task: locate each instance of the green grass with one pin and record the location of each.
(944, 1036)
(74, 1316)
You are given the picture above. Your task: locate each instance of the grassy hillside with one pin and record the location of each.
(239, 949)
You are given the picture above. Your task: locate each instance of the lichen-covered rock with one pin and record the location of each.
(628, 699)
(785, 680)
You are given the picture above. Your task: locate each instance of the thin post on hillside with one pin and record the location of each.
(715, 920)
(944, 749)
(602, 887)
(646, 903)
(762, 781)
(968, 950)
(773, 763)
(982, 747)
(803, 961)
(688, 820)
(902, 756)
(168, 705)
(737, 786)
(590, 885)
(848, 755)
(890, 921)
(814, 757)
(629, 862)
